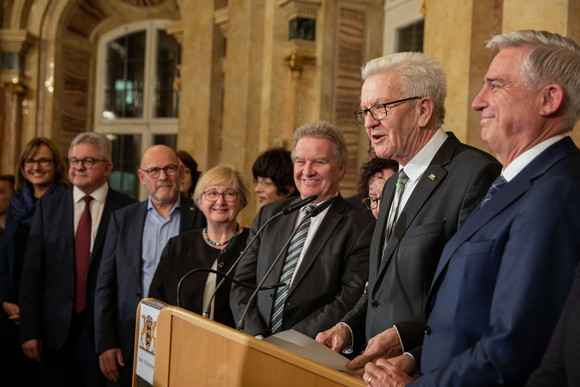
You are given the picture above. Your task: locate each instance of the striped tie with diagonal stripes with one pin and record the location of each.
(294, 250)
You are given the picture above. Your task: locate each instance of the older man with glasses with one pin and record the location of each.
(136, 237)
(61, 264)
(439, 183)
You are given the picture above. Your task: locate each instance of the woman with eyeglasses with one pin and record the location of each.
(274, 176)
(221, 193)
(41, 171)
(373, 176)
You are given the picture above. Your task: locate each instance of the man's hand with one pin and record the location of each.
(108, 361)
(33, 349)
(336, 338)
(384, 373)
(383, 346)
(13, 311)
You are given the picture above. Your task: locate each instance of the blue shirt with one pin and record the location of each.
(156, 233)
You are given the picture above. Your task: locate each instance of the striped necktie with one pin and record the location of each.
(497, 184)
(292, 256)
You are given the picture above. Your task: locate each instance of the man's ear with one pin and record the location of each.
(552, 98)
(425, 106)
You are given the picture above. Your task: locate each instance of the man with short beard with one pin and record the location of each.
(136, 237)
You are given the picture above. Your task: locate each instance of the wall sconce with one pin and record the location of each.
(296, 62)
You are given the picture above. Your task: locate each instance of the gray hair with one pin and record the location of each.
(98, 140)
(322, 129)
(223, 174)
(552, 59)
(421, 76)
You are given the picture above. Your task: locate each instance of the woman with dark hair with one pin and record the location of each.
(274, 176)
(191, 173)
(373, 176)
(41, 171)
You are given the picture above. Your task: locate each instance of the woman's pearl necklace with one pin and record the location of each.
(206, 237)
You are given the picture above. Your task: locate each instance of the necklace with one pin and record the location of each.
(206, 237)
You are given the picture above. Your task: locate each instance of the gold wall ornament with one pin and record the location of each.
(296, 62)
(15, 87)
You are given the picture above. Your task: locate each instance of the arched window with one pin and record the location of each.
(136, 104)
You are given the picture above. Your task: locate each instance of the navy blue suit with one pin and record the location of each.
(119, 290)
(47, 291)
(503, 278)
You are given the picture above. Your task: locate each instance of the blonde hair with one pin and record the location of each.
(223, 174)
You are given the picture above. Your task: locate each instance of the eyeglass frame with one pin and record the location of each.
(154, 172)
(222, 194)
(87, 162)
(383, 105)
(42, 162)
(371, 202)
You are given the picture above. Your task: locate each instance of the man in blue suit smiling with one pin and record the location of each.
(502, 280)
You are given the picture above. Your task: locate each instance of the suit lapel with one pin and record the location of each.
(187, 215)
(503, 198)
(140, 225)
(323, 234)
(432, 177)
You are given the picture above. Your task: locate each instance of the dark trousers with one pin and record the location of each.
(76, 363)
(15, 368)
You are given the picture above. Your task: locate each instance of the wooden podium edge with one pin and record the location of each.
(164, 324)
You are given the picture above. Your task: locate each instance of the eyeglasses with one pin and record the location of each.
(88, 162)
(371, 202)
(378, 112)
(212, 196)
(42, 162)
(155, 171)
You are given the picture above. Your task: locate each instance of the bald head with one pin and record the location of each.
(161, 174)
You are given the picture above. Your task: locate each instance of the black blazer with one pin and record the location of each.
(118, 290)
(47, 289)
(453, 184)
(328, 282)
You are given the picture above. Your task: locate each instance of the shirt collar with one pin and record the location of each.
(525, 158)
(100, 194)
(176, 205)
(418, 164)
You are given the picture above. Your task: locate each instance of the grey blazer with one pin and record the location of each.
(328, 282)
(452, 186)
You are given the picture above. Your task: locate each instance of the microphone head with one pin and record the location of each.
(321, 207)
(296, 206)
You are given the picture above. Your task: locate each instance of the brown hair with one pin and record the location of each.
(60, 168)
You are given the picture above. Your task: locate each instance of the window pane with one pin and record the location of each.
(126, 159)
(125, 76)
(168, 58)
(411, 38)
(165, 139)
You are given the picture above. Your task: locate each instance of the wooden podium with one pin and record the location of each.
(193, 351)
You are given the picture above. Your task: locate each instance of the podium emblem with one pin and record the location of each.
(147, 336)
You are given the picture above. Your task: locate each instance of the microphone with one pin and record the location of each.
(317, 210)
(289, 209)
(201, 270)
(293, 207)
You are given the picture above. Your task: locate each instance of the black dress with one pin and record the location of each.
(188, 251)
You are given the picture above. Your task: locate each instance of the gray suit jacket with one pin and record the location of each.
(329, 280)
(449, 190)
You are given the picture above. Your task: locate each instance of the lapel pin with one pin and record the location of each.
(432, 176)
(191, 208)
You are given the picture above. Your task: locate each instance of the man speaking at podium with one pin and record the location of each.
(325, 265)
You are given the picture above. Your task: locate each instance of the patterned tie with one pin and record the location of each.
(392, 219)
(83, 255)
(292, 255)
(497, 184)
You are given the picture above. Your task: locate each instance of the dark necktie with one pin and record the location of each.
(83, 255)
(392, 219)
(497, 184)
(294, 250)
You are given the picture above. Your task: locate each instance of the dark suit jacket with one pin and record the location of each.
(119, 290)
(502, 280)
(329, 280)
(47, 291)
(451, 187)
(560, 366)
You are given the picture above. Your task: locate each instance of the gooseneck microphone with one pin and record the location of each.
(289, 209)
(317, 210)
